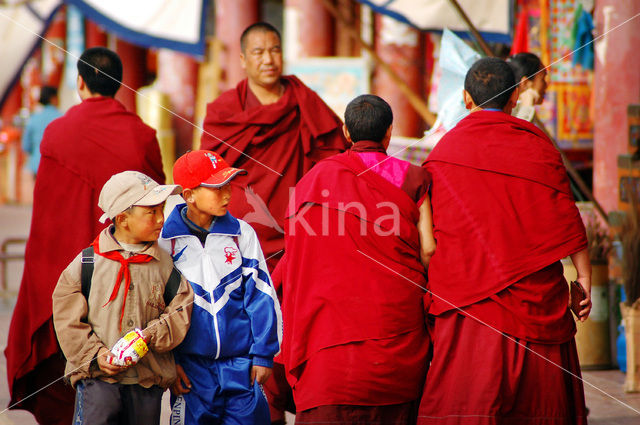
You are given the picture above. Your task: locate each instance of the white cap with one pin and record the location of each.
(129, 188)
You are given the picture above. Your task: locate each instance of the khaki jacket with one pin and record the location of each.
(145, 309)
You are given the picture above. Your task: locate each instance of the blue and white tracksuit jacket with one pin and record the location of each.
(236, 320)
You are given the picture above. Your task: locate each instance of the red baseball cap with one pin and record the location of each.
(203, 168)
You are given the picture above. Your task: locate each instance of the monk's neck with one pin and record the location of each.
(267, 95)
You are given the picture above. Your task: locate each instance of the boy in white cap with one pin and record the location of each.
(123, 293)
(236, 324)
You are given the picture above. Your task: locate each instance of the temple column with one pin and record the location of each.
(232, 17)
(399, 45)
(309, 29)
(94, 35)
(177, 77)
(616, 84)
(134, 71)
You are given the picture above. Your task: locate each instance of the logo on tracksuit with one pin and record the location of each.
(230, 254)
(178, 411)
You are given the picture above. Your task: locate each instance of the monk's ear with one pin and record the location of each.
(387, 137)
(513, 100)
(525, 83)
(243, 62)
(468, 101)
(346, 133)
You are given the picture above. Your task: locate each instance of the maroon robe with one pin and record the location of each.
(503, 217)
(277, 144)
(80, 152)
(353, 284)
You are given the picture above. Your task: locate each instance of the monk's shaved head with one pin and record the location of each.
(368, 117)
(490, 82)
(257, 27)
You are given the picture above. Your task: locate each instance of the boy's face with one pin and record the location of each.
(210, 200)
(142, 224)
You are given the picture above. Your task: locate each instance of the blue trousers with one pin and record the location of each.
(221, 393)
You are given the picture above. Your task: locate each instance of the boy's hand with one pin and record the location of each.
(182, 385)
(260, 373)
(105, 362)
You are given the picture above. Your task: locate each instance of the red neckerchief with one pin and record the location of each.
(123, 272)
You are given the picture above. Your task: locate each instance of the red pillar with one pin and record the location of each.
(133, 74)
(344, 43)
(399, 45)
(11, 106)
(94, 35)
(177, 77)
(616, 84)
(310, 28)
(53, 56)
(232, 17)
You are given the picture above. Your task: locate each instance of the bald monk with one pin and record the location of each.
(79, 152)
(503, 217)
(276, 128)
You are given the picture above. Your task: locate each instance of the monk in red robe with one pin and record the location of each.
(80, 152)
(355, 342)
(504, 216)
(276, 128)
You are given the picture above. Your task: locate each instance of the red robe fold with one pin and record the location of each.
(277, 144)
(502, 211)
(80, 152)
(339, 303)
(503, 218)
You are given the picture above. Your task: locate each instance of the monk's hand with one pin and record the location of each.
(106, 364)
(585, 304)
(181, 385)
(260, 374)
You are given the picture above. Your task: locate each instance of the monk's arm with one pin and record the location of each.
(582, 264)
(425, 230)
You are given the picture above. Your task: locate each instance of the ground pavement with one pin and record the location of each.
(14, 222)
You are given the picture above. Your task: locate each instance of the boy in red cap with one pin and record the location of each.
(236, 324)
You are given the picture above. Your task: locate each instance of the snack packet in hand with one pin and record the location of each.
(129, 349)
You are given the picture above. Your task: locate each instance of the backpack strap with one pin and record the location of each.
(172, 286)
(86, 271)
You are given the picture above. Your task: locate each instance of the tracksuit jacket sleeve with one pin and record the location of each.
(260, 301)
(167, 331)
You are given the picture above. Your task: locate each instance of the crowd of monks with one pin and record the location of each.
(369, 336)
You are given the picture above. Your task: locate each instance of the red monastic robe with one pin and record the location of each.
(277, 144)
(503, 217)
(80, 152)
(353, 284)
